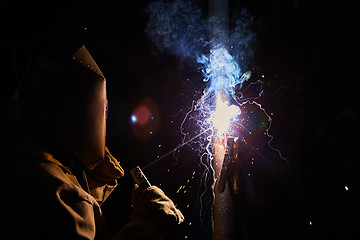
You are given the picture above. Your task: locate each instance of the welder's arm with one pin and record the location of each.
(153, 216)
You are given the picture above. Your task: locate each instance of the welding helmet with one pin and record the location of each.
(68, 99)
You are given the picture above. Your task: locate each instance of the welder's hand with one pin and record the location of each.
(152, 204)
(154, 215)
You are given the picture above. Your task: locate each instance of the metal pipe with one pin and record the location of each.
(219, 22)
(223, 209)
(224, 214)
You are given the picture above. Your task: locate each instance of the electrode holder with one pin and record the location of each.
(139, 177)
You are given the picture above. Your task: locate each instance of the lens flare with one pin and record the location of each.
(145, 120)
(133, 118)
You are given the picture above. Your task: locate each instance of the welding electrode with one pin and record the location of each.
(139, 177)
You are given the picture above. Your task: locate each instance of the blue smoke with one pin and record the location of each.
(181, 29)
(221, 69)
(177, 28)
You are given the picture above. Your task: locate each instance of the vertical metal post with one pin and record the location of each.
(219, 22)
(224, 213)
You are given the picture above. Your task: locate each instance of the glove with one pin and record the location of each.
(154, 215)
(153, 204)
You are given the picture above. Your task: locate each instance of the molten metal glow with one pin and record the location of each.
(223, 115)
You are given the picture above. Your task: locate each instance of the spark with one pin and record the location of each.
(346, 188)
(181, 187)
(217, 112)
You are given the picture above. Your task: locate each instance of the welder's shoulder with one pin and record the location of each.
(38, 196)
(28, 168)
(38, 172)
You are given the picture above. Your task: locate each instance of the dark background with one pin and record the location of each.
(307, 52)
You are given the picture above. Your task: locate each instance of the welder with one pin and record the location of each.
(54, 178)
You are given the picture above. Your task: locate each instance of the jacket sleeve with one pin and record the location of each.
(44, 204)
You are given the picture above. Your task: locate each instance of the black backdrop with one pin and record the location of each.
(306, 48)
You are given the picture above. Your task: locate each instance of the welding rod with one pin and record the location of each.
(138, 175)
(175, 149)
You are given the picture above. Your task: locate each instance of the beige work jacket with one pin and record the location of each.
(41, 198)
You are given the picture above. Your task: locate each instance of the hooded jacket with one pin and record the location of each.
(42, 194)
(54, 180)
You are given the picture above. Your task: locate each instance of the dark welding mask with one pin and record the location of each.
(69, 104)
(88, 120)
